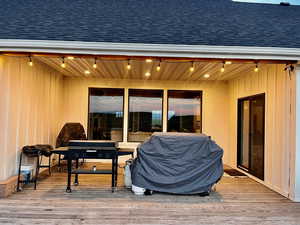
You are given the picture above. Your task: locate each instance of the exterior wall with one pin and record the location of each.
(276, 84)
(295, 155)
(30, 104)
(215, 102)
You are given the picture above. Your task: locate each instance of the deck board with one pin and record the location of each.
(236, 201)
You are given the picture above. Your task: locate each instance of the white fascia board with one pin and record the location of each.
(155, 50)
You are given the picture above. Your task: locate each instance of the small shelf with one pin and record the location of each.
(85, 171)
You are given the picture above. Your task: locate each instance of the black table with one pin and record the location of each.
(98, 150)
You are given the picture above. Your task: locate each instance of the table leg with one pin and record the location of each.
(19, 172)
(116, 171)
(49, 165)
(76, 182)
(59, 155)
(69, 174)
(113, 162)
(37, 171)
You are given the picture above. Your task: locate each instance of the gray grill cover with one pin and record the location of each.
(178, 163)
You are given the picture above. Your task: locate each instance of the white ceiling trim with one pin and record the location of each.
(155, 50)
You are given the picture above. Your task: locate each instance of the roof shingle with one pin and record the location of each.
(190, 22)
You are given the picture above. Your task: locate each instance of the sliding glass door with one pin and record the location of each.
(251, 134)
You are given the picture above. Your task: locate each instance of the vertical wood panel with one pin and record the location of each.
(272, 80)
(28, 95)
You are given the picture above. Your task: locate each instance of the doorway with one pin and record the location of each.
(251, 134)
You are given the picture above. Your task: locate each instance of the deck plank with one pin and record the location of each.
(236, 201)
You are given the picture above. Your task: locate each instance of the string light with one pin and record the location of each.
(158, 67)
(63, 65)
(30, 63)
(206, 75)
(256, 69)
(147, 74)
(128, 65)
(95, 64)
(223, 68)
(192, 68)
(87, 72)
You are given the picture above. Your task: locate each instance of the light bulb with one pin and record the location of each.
(192, 68)
(30, 63)
(228, 62)
(256, 69)
(128, 65)
(223, 68)
(206, 75)
(95, 64)
(148, 60)
(158, 67)
(87, 72)
(63, 65)
(147, 74)
(70, 57)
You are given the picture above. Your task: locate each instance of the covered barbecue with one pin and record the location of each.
(179, 163)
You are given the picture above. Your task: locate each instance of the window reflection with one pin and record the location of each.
(106, 114)
(145, 113)
(184, 111)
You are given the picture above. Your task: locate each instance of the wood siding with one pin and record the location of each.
(31, 104)
(275, 83)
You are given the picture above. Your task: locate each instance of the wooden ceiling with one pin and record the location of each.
(170, 70)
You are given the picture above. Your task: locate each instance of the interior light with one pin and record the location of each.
(256, 69)
(147, 74)
(206, 75)
(95, 64)
(30, 63)
(87, 72)
(228, 62)
(128, 65)
(192, 68)
(148, 60)
(70, 57)
(63, 64)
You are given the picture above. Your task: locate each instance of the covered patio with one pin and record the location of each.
(43, 91)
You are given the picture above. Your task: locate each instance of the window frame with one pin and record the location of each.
(201, 107)
(128, 111)
(123, 107)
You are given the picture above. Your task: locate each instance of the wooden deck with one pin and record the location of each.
(236, 201)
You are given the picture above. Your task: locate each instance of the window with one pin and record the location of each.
(106, 114)
(145, 113)
(184, 111)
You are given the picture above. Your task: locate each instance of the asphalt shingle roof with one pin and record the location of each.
(191, 22)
